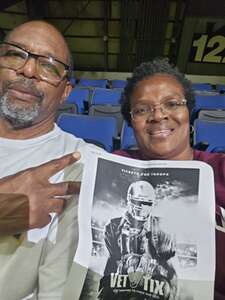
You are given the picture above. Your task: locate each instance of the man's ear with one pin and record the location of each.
(67, 91)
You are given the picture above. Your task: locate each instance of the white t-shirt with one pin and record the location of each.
(17, 155)
(33, 262)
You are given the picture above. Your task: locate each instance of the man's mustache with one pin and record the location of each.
(26, 84)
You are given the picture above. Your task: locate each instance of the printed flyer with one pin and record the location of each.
(146, 229)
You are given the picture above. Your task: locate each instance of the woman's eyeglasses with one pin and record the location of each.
(143, 111)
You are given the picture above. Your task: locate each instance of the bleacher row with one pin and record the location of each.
(92, 112)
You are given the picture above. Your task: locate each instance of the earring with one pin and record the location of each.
(191, 135)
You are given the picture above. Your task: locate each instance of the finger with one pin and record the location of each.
(40, 222)
(55, 205)
(173, 246)
(73, 188)
(64, 188)
(52, 167)
(167, 240)
(155, 224)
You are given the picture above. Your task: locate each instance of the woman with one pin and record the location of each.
(156, 102)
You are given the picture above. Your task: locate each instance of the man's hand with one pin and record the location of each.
(38, 197)
(14, 213)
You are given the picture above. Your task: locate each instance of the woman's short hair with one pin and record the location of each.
(149, 69)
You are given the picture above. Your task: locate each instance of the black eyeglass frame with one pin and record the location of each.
(36, 56)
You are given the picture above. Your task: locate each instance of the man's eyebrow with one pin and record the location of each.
(14, 43)
(47, 54)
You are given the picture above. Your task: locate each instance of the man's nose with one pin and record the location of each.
(29, 68)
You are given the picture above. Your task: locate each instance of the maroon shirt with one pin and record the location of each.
(217, 162)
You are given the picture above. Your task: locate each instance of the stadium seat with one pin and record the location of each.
(211, 133)
(102, 83)
(97, 130)
(73, 81)
(66, 108)
(108, 110)
(118, 83)
(128, 140)
(105, 96)
(202, 87)
(202, 102)
(212, 115)
(220, 88)
(80, 97)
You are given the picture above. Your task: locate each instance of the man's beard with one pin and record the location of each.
(18, 117)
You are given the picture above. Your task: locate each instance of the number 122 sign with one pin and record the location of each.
(208, 49)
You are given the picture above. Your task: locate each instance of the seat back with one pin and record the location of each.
(105, 96)
(128, 140)
(108, 111)
(94, 129)
(118, 83)
(73, 81)
(220, 88)
(212, 115)
(102, 83)
(202, 87)
(209, 102)
(80, 97)
(66, 108)
(209, 132)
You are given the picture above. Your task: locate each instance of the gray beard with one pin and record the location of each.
(16, 116)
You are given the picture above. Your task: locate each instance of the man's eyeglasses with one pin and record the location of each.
(142, 111)
(48, 68)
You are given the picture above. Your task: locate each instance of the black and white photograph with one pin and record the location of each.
(138, 249)
(129, 246)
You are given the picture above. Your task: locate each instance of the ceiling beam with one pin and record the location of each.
(6, 3)
(37, 9)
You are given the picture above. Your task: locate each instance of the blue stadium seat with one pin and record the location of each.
(73, 81)
(102, 83)
(108, 110)
(211, 133)
(220, 88)
(128, 140)
(202, 87)
(105, 96)
(209, 102)
(97, 130)
(214, 115)
(66, 108)
(118, 83)
(80, 97)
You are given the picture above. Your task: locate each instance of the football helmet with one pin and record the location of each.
(141, 197)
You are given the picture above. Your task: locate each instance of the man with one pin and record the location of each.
(34, 80)
(138, 251)
(32, 207)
